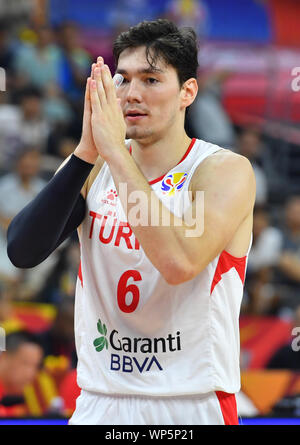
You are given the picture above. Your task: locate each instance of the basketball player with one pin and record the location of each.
(156, 310)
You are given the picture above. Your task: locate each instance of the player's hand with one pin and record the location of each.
(107, 121)
(86, 149)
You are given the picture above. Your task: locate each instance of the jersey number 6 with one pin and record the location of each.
(124, 288)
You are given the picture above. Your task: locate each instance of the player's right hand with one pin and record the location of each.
(86, 148)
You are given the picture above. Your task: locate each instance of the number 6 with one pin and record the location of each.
(123, 289)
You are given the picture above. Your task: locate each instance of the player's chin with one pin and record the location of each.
(137, 133)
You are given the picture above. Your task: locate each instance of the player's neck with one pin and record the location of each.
(157, 157)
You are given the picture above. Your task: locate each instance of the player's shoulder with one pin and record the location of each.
(223, 157)
(224, 164)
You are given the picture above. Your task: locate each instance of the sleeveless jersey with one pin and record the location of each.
(135, 333)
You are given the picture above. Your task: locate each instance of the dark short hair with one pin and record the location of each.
(14, 340)
(28, 91)
(162, 39)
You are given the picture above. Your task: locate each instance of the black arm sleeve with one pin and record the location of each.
(50, 217)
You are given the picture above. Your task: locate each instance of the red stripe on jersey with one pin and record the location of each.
(225, 263)
(80, 274)
(228, 407)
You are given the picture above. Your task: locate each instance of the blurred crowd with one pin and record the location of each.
(40, 125)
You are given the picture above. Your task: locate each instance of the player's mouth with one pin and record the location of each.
(134, 115)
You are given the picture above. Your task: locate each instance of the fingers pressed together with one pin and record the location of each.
(102, 89)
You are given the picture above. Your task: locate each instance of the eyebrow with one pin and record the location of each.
(148, 70)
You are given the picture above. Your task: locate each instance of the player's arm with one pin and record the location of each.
(59, 208)
(229, 193)
(50, 217)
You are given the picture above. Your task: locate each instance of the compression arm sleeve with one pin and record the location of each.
(50, 217)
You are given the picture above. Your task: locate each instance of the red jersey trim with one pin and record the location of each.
(154, 181)
(228, 407)
(80, 274)
(225, 263)
(1, 391)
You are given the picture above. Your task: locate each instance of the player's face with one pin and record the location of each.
(150, 99)
(24, 365)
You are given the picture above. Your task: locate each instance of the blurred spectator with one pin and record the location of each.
(267, 241)
(188, 13)
(61, 281)
(34, 128)
(57, 110)
(62, 144)
(67, 146)
(17, 189)
(59, 340)
(38, 63)
(288, 271)
(19, 365)
(6, 53)
(207, 118)
(75, 64)
(9, 125)
(250, 145)
(6, 310)
(285, 357)
(263, 258)
(28, 125)
(17, 13)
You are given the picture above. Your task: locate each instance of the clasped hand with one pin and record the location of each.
(106, 118)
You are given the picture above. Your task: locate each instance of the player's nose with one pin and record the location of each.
(133, 93)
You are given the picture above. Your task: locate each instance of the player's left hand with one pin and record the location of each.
(107, 121)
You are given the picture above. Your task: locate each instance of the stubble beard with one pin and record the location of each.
(138, 133)
(148, 135)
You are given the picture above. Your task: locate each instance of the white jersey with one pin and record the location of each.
(135, 333)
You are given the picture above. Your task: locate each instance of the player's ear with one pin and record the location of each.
(188, 92)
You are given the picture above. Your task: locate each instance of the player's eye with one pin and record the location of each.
(151, 80)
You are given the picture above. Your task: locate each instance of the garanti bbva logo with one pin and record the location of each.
(134, 345)
(101, 342)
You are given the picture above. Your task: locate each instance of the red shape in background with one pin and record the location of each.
(261, 337)
(69, 391)
(33, 319)
(285, 22)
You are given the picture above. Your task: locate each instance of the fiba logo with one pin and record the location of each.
(173, 182)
